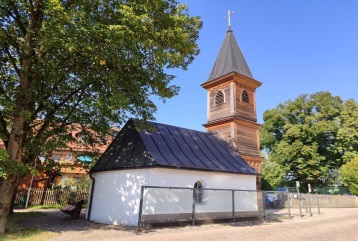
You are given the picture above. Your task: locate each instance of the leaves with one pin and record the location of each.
(349, 175)
(8, 167)
(347, 136)
(310, 136)
(88, 62)
(272, 174)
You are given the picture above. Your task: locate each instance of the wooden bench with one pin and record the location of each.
(73, 210)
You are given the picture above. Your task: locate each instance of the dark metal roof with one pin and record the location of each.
(170, 146)
(230, 59)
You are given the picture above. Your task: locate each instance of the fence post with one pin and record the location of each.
(140, 207)
(193, 209)
(309, 203)
(263, 194)
(233, 205)
(306, 204)
(289, 204)
(319, 211)
(299, 202)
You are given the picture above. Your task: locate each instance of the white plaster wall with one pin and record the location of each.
(117, 193)
(164, 201)
(185, 178)
(116, 196)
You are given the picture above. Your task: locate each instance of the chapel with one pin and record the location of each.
(169, 173)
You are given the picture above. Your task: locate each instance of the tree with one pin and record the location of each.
(300, 136)
(272, 175)
(347, 136)
(349, 175)
(88, 62)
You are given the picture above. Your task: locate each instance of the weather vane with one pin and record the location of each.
(228, 18)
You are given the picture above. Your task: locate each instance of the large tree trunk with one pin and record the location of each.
(11, 210)
(14, 170)
(7, 187)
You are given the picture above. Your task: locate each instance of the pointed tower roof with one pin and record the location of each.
(230, 59)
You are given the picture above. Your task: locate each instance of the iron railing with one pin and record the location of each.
(173, 204)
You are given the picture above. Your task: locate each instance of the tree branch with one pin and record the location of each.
(12, 61)
(56, 107)
(17, 17)
(80, 98)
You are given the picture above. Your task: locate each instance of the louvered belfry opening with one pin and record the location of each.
(219, 98)
(245, 96)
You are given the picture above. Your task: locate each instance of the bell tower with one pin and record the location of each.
(231, 102)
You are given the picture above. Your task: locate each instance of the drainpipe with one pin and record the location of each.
(91, 197)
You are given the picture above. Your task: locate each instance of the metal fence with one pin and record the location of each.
(42, 196)
(173, 204)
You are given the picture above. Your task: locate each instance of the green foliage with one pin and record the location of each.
(309, 136)
(88, 62)
(81, 184)
(272, 175)
(349, 175)
(8, 167)
(347, 136)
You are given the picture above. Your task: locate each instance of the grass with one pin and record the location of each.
(17, 232)
(57, 206)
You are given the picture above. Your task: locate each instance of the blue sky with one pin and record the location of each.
(293, 47)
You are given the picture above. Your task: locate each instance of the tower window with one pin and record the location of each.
(219, 98)
(245, 96)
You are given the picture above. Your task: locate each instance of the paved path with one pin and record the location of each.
(333, 224)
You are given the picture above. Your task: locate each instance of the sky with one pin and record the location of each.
(292, 46)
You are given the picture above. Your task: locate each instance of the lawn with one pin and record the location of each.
(17, 232)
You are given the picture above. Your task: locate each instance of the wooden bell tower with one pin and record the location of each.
(231, 103)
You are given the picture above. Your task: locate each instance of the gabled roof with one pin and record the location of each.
(230, 59)
(171, 147)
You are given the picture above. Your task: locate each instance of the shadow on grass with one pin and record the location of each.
(16, 231)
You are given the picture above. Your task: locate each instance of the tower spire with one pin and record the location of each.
(228, 18)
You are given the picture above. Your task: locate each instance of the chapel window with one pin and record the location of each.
(199, 193)
(245, 96)
(219, 98)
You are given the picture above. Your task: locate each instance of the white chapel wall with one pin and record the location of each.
(165, 201)
(187, 178)
(117, 195)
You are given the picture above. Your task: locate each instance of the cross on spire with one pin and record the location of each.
(228, 18)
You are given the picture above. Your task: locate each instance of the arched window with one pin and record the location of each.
(199, 194)
(219, 98)
(245, 96)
